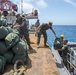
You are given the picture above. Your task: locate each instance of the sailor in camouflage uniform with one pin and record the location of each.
(4, 21)
(42, 30)
(23, 30)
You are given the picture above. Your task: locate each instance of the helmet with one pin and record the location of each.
(62, 35)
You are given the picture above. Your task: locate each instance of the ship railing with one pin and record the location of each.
(71, 60)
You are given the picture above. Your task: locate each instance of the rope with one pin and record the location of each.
(19, 69)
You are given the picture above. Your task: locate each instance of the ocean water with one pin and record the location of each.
(68, 30)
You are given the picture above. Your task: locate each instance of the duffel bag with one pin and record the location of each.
(57, 44)
(2, 64)
(12, 39)
(9, 56)
(20, 48)
(3, 32)
(3, 48)
(19, 57)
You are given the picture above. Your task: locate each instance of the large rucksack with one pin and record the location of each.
(20, 48)
(12, 39)
(3, 47)
(3, 32)
(57, 44)
(0, 23)
(2, 64)
(9, 56)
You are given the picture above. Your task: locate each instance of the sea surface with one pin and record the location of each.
(69, 32)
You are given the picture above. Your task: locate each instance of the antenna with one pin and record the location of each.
(21, 6)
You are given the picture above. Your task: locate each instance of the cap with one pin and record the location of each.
(62, 35)
(37, 19)
(5, 12)
(50, 22)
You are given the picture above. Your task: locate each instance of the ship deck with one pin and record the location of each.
(40, 61)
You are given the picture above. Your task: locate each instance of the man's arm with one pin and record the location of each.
(53, 32)
(22, 22)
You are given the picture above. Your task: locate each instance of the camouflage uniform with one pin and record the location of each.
(4, 21)
(42, 30)
(23, 30)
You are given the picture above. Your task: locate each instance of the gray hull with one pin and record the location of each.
(59, 62)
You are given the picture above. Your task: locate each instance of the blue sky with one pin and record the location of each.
(60, 12)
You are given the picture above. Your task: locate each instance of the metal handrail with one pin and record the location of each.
(70, 62)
